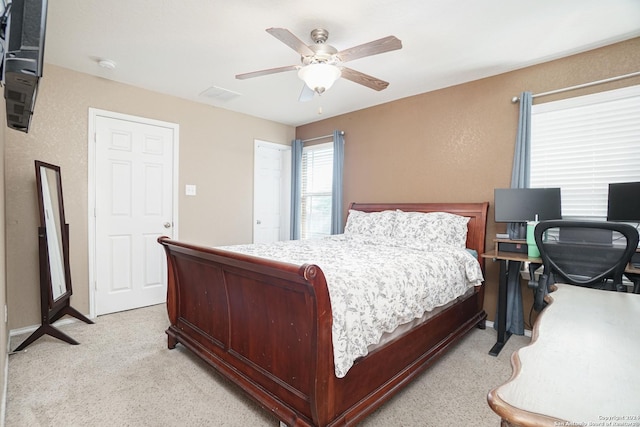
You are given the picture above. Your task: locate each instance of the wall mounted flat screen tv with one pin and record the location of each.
(523, 204)
(24, 28)
(624, 202)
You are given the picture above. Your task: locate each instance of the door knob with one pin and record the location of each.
(167, 225)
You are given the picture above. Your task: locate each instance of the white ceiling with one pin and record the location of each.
(184, 47)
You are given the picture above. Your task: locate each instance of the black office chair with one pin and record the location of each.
(583, 253)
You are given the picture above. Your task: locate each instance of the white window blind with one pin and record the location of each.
(317, 179)
(584, 143)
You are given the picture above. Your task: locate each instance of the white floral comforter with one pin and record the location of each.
(376, 283)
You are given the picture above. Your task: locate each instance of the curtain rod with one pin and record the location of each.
(566, 89)
(321, 137)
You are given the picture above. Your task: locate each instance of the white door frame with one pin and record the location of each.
(93, 114)
(285, 205)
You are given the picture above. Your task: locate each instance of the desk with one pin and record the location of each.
(511, 277)
(633, 274)
(582, 364)
(508, 277)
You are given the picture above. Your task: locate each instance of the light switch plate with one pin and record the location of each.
(190, 190)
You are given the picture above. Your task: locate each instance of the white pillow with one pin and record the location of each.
(436, 227)
(370, 223)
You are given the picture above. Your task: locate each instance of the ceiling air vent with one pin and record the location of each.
(218, 93)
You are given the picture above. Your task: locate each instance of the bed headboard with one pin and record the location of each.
(476, 212)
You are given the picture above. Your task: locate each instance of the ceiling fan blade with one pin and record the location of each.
(266, 72)
(288, 38)
(306, 94)
(375, 47)
(364, 79)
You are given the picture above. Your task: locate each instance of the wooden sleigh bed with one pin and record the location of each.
(267, 326)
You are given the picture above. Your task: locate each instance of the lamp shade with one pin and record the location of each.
(319, 77)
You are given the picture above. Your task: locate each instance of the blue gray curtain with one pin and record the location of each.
(521, 171)
(296, 187)
(296, 184)
(336, 191)
(520, 175)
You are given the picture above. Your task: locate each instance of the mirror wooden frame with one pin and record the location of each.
(55, 271)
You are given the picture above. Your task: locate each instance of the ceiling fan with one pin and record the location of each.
(321, 64)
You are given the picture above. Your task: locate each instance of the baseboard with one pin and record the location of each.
(30, 329)
(5, 386)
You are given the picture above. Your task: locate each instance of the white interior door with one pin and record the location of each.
(134, 205)
(272, 191)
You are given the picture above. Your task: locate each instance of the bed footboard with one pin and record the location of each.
(265, 325)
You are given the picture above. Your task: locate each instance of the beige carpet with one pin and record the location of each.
(122, 374)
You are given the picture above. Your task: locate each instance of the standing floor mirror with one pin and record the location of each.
(53, 238)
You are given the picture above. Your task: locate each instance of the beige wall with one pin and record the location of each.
(456, 144)
(216, 154)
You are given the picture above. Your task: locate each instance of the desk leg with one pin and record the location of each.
(503, 335)
(635, 279)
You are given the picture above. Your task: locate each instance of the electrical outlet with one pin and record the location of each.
(190, 190)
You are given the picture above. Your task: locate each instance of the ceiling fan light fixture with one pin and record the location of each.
(319, 77)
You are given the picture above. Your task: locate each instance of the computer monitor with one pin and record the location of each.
(624, 202)
(519, 205)
(526, 204)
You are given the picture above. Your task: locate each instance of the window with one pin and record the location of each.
(584, 143)
(317, 179)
